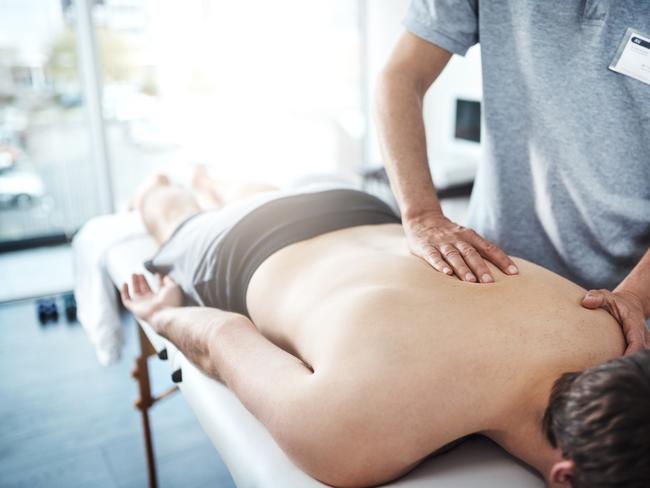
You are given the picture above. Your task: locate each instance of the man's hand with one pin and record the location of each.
(453, 249)
(627, 309)
(144, 303)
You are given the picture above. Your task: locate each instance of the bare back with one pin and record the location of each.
(418, 358)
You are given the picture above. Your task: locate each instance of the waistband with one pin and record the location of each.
(285, 221)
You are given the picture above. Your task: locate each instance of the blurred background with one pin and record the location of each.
(97, 94)
(270, 90)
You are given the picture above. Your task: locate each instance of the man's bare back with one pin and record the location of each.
(412, 359)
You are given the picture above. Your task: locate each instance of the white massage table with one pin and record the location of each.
(248, 450)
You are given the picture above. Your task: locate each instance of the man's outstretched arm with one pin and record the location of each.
(195, 331)
(276, 387)
(224, 345)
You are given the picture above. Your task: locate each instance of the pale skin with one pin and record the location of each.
(448, 247)
(361, 372)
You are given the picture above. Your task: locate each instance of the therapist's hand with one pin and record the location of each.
(453, 249)
(627, 309)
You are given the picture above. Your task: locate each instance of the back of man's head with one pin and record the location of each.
(600, 420)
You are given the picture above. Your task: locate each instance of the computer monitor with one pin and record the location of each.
(468, 120)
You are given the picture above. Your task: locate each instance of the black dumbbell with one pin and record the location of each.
(47, 311)
(70, 306)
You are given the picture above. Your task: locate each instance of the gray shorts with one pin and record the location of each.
(213, 255)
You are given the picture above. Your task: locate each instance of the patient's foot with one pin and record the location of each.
(208, 190)
(155, 181)
(213, 193)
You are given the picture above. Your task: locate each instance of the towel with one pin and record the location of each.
(98, 307)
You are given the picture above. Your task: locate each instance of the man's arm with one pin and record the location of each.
(276, 387)
(629, 304)
(194, 331)
(449, 248)
(224, 345)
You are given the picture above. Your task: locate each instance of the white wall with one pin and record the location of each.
(461, 78)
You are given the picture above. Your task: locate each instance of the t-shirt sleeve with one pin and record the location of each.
(449, 24)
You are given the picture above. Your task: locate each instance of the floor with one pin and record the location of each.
(66, 421)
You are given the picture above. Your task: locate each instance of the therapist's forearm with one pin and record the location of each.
(638, 283)
(448, 247)
(398, 112)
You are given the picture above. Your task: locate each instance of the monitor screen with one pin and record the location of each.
(468, 120)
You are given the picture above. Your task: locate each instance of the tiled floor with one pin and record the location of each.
(65, 421)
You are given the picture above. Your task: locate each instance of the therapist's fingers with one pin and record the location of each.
(635, 340)
(433, 257)
(494, 254)
(626, 308)
(604, 299)
(636, 335)
(593, 299)
(452, 255)
(475, 262)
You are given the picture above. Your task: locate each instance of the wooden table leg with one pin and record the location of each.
(145, 401)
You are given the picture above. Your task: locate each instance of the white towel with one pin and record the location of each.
(97, 303)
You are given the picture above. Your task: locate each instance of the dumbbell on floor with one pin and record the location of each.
(70, 307)
(47, 311)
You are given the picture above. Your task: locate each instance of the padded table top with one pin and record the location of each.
(253, 457)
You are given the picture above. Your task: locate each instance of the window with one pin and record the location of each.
(46, 181)
(256, 89)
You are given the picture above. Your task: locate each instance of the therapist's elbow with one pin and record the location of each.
(397, 83)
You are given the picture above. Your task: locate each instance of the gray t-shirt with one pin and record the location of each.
(565, 181)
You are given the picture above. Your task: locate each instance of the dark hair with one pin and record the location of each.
(600, 419)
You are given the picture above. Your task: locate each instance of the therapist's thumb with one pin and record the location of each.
(593, 299)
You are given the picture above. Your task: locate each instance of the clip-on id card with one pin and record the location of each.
(633, 56)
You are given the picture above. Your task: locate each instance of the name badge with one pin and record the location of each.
(633, 56)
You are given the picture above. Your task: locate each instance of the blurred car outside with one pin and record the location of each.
(20, 188)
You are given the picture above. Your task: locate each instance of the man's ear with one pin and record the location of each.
(562, 471)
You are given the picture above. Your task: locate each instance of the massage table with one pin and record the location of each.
(107, 250)
(246, 447)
